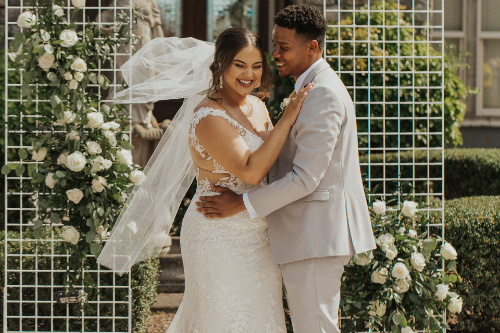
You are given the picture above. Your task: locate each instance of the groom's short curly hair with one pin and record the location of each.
(308, 22)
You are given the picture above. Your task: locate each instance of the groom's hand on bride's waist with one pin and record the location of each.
(226, 204)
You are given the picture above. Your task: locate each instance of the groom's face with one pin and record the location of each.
(290, 52)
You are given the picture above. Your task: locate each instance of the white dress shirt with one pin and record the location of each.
(298, 87)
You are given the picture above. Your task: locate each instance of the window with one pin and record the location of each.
(223, 14)
(171, 17)
(488, 74)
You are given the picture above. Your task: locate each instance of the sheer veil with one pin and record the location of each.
(165, 68)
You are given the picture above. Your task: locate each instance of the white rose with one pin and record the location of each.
(49, 181)
(137, 177)
(114, 125)
(448, 251)
(26, 20)
(12, 56)
(71, 235)
(412, 233)
(379, 207)
(401, 286)
(380, 276)
(364, 259)
(97, 163)
(79, 65)
(95, 119)
(46, 61)
(68, 37)
(406, 329)
(58, 10)
(106, 127)
(399, 271)
(69, 117)
(418, 261)
(74, 135)
(111, 138)
(79, 76)
(401, 230)
(124, 156)
(455, 304)
(133, 227)
(442, 291)
(285, 103)
(93, 148)
(63, 159)
(78, 3)
(76, 161)
(391, 252)
(40, 154)
(98, 184)
(100, 229)
(409, 208)
(59, 122)
(68, 76)
(107, 164)
(74, 195)
(376, 308)
(385, 239)
(73, 84)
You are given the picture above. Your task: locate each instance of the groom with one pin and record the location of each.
(314, 203)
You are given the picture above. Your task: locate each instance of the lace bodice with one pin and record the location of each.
(227, 179)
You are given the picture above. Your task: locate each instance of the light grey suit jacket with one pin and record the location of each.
(315, 203)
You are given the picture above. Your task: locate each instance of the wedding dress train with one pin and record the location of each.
(232, 282)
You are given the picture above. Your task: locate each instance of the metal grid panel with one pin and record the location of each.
(34, 272)
(393, 70)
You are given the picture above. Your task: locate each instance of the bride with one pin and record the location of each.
(232, 282)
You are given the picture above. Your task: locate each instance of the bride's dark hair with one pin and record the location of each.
(229, 43)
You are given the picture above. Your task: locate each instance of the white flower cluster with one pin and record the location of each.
(386, 244)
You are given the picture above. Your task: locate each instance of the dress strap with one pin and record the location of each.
(206, 111)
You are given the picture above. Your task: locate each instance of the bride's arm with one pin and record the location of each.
(225, 144)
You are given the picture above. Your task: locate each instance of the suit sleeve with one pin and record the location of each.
(317, 130)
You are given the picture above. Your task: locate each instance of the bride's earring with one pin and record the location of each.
(258, 85)
(220, 81)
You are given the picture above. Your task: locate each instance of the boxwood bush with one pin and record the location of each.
(473, 227)
(468, 172)
(144, 282)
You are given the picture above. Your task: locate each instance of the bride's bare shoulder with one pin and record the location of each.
(208, 103)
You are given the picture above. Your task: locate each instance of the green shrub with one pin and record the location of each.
(473, 227)
(144, 282)
(468, 172)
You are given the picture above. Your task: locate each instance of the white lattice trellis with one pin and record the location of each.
(34, 272)
(394, 71)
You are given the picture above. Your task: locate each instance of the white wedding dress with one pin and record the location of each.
(232, 282)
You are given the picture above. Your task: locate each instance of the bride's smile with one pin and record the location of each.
(245, 72)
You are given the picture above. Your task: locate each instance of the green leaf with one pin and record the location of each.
(37, 233)
(54, 100)
(90, 236)
(453, 278)
(397, 318)
(25, 89)
(38, 224)
(13, 166)
(452, 265)
(5, 170)
(23, 154)
(428, 244)
(49, 48)
(100, 210)
(95, 248)
(62, 182)
(55, 218)
(45, 35)
(31, 169)
(51, 76)
(126, 145)
(100, 80)
(400, 237)
(40, 50)
(79, 104)
(19, 36)
(60, 174)
(20, 170)
(93, 78)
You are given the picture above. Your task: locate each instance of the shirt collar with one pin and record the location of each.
(300, 80)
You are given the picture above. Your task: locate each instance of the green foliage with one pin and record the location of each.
(473, 227)
(467, 172)
(144, 282)
(397, 284)
(73, 123)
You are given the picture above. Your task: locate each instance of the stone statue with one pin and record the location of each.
(146, 132)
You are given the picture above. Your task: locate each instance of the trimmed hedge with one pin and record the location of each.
(468, 172)
(144, 285)
(473, 228)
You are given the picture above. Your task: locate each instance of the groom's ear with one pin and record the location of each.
(312, 47)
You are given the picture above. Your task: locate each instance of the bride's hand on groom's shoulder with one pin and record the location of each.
(224, 205)
(293, 108)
